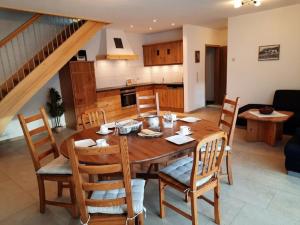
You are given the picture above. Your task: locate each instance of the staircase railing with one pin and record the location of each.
(29, 45)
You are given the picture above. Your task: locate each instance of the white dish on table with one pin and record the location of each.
(180, 139)
(110, 125)
(85, 143)
(190, 119)
(104, 133)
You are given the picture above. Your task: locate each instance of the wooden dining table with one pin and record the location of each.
(146, 150)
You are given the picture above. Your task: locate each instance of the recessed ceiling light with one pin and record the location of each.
(131, 26)
(154, 20)
(150, 28)
(173, 24)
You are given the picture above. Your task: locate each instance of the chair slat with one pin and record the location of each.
(37, 130)
(42, 141)
(97, 150)
(105, 169)
(225, 123)
(106, 202)
(45, 154)
(33, 118)
(146, 97)
(227, 112)
(146, 106)
(229, 101)
(103, 186)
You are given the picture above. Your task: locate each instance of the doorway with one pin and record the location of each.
(215, 74)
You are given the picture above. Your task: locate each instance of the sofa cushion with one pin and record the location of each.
(59, 165)
(181, 171)
(137, 190)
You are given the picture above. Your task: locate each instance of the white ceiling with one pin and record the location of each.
(140, 13)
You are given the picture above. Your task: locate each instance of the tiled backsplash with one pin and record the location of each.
(115, 73)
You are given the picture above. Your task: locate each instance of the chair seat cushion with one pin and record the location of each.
(181, 171)
(137, 191)
(59, 165)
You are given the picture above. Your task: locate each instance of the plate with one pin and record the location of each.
(108, 132)
(179, 139)
(190, 119)
(189, 133)
(85, 143)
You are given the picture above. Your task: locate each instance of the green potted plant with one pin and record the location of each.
(55, 108)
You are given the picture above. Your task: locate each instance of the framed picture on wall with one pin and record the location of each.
(197, 56)
(268, 52)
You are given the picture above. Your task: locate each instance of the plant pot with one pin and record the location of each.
(58, 129)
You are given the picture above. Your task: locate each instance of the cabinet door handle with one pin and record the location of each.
(168, 51)
(157, 52)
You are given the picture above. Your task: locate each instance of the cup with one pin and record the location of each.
(101, 143)
(184, 130)
(153, 121)
(103, 129)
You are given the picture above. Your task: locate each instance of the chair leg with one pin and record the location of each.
(216, 204)
(161, 199)
(42, 193)
(141, 219)
(59, 188)
(74, 209)
(194, 209)
(229, 169)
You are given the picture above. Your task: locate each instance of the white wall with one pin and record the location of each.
(39, 99)
(256, 81)
(195, 38)
(111, 73)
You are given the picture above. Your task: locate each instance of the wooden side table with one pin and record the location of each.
(267, 129)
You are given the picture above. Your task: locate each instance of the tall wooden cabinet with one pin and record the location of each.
(78, 87)
(168, 53)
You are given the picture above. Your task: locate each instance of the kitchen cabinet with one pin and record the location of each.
(78, 88)
(170, 98)
(169, 53)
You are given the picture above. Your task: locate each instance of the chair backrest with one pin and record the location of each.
(211, 158)
(228, 117)
(147, 103)
(40, 140)
(83, 185)
(93, 118)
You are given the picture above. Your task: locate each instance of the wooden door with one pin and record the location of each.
(84, 83)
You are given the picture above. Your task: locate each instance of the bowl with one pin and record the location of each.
(266, 110)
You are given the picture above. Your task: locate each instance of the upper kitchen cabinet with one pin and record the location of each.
(78, 87)
(168, 53)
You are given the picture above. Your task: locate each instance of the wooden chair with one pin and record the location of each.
(111, 202)
(227, 123)
(93, 118)
(146, 104)
(41, 144)
(195, 176)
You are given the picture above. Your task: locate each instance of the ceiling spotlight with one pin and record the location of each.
(257, 2)
(150, 28)
(131, 26)
(154, 20)
(173, 24)
(239, 3)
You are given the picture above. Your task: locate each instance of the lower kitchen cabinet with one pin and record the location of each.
(170, 98)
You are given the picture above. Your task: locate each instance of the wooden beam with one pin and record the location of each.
(19, 29)
(23, 92)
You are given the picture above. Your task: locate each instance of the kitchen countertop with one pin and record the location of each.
(136, 85)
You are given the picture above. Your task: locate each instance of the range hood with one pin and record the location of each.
(114, 46)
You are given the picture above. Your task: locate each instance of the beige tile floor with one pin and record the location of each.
(262, 193)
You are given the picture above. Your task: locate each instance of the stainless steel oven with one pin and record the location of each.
(128, 97)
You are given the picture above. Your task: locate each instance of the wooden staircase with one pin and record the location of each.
(18, 89)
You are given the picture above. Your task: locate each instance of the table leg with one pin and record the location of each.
(268, 132)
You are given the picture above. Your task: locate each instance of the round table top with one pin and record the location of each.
(143, 149)
(268, 118)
